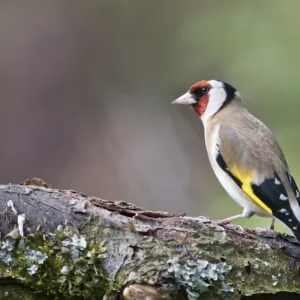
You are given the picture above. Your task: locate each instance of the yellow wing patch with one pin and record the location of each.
(246, 178)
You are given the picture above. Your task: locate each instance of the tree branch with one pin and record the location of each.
(80, 247)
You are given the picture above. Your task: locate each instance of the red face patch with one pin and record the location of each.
(200, 90)
(200, 107)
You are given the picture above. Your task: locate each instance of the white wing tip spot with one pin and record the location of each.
(295, 228)
(297, 194)
(290, 220)
(276, 181)
(283, 197)
(283, 210)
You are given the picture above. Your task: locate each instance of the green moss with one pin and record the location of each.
(64, 265)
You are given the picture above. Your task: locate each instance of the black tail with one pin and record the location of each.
(290, 221)
(296, 232)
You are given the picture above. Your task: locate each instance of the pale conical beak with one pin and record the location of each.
(187, 98)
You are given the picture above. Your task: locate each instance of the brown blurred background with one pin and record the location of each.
(86, 87)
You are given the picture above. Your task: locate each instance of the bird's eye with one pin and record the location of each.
(204, 90)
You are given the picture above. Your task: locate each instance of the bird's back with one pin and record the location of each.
(247, 142)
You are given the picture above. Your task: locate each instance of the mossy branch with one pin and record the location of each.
(80, 247)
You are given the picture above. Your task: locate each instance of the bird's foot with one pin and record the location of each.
(228, 222)
(222, 222)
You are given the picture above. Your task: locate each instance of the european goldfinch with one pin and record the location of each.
(244, 155)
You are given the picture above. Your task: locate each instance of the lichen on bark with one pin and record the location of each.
(63, 265)
(80, 247)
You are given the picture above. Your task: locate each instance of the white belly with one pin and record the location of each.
(234, 191)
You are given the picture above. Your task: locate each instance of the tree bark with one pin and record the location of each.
(80, 247)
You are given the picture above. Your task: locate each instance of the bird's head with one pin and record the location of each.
(208, 97)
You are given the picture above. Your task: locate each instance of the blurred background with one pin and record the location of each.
(86, 87)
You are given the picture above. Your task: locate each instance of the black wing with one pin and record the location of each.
(294, 187)
(274, 195)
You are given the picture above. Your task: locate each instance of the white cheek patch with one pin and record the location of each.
(217, 96)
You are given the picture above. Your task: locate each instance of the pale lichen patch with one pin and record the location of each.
(198, 275)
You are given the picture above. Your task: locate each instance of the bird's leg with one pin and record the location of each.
(246, 214)
(230, 219)
(271, 227)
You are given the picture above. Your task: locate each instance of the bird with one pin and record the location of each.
(245, 155)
